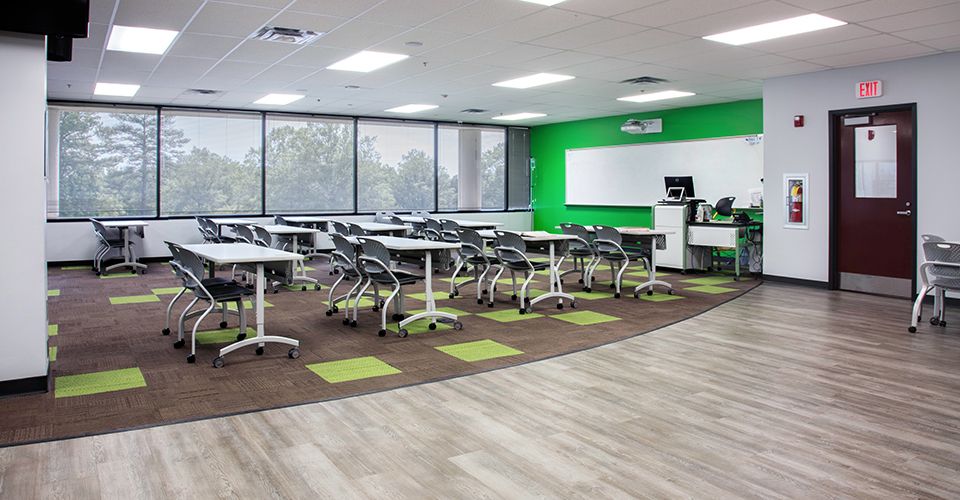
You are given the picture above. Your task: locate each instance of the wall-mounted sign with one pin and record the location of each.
(869, 89)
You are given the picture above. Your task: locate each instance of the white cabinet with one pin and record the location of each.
(678, 254)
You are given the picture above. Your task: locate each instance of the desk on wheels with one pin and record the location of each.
(408, 245)
(725, 234)
(540, 237)
(656, 240)
(217, 254)
(125, 226)
(294, 232)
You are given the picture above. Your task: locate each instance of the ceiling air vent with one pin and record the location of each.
(645, 80)
(285, 35)
(203, 91)
(473, 111)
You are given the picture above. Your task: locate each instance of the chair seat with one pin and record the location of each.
(946, 283)
(404, 277)
(478, 259)
(617, 256)
(581, 252)
(229, 291)
(519, 265)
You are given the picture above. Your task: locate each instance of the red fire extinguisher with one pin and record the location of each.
(796, 203)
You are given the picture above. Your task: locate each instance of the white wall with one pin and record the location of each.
(69, 241)
(23, 297)
(931, 82)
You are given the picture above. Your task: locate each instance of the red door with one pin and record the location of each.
(875, 239)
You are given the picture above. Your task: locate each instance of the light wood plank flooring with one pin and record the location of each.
(785, 392)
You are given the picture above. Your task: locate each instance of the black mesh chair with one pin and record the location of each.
(939, 273)
(375, 264)
(356, 230)
(210, 283)
(609, 245)
(108, 240)
(578, 250)
(511, 252)
(344, 261)
(472, 255)
(190, 267)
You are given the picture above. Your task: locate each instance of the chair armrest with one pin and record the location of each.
(364, 259)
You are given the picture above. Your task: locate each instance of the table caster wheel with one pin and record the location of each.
(513, 297)
(178, 344)
(934, 321)
(573, 305)
(457, 325)
(259, 351)
(912, 329)
(559, 305)
(192, 359)
(397, 317)
(375, 308)
(165, 331)
(616, 295)
(241, 336)
(490, 304)
(98, 273)
(346, 321)
(353, 324)
(382, 333)
(329, 312)
(649, 292)
(669, 292)
(293, 353)
(479, 301)
(432, 326)
(223, 324)
(143, 272)
(218, 362)
(316, 287)
(451, 295)
(523, 310)
(587, 289)
(403, 333)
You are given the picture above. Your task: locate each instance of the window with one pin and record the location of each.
(518, 168)
(309, 165)
(101, 162)
(395, 166)
(210, 163)
(471, 168)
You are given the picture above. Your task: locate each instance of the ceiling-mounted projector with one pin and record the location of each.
(634, 126)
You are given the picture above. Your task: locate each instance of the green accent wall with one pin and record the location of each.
(548, 145)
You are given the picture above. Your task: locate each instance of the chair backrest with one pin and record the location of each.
(432, 228)
(449, 225)
(356, 230)
(931, 237)
(191, 262)
(384, 217)
(393, 219)
(344, 252)
(245, 234)
(420, 213)
(607, 233)
(376, 250)
(942, 251)
(510, 239)
(724, 206)
(175, 258)
(263, 237)
(470, 239)
(578, 231)
(280, 221)
(339, 228)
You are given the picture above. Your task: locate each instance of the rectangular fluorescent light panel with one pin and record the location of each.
(141, 40)
(518, 116)
(656, 96)
(116, 89)
(544, 2)
(367, 60)
(278, 99)
(533, 81)
(776, 29)
(412, 108)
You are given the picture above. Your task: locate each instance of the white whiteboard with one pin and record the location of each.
(633, 175)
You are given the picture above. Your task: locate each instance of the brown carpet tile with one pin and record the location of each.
(95, 335)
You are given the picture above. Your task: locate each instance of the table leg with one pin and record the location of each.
(431, 307)
(554, 285)
(261, 338)
(302, 275)
(127, 254)
(652, 273)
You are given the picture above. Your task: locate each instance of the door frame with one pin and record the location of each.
(834, 117)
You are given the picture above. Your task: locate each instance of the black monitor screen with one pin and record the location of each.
(684, 181)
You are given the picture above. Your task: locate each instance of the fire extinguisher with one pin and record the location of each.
(796, 203)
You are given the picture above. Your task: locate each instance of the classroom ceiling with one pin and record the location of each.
(466, 45)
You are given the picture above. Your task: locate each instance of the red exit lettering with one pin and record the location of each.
(869, 89)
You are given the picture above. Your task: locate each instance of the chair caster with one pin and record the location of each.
(669, 292)
(587, 289)
(223, 324)
(375, 308)
(561, 282)
(943, 323)
(346, 321)
(616, 295)
(179, 344)
(382, 333)
(335, 309)
(490, 304)
(573, 305)
(398, 317)
(98, 273)
(134, 271)
(457, 325)
(218, 362)
(636, 295)
(513, 297)
(483, 292)
(479, 301)
(580, 281)
(649, 292)
(293, 353)
(912, 329)
(303, 288)
(165, 331)
(403, 333)
(241, 336)
(451, 295)
(329, 312)
(353, 324)
(559, 305)
(432, 326)
(523, 310)
(259, 351)
(192, 359)
(316, 287)
(935, 321)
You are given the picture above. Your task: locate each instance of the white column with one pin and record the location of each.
(468, 177)
(23, 298)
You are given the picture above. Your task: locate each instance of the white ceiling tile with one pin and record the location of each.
(153, 14)
(789, 68)
(279, 76)
(836, 35)
(430, 40)
(916, 19)
(855, 45)
(589, 34)
(82, 58)
(159, 93)
(648, 39)
(317, 57)
(559, 60)
(235, 70)
(605, 8)
(874, 55)
(341, 8)
(875, 9)
(740, 17)
(312, 22)
(470, 48)
(96, 37)
(102, 10)
(130, 60)
(820, 5)
(197, 45)
(675, 11)
(272, 4)
(230, 20)
(538, 25)
(359, 35)
(77, 76)
(262, 51)
(119, 74)
(482, 16)
(516, 56)
(411, 12)
(945, 43)
(930, 32)
(180, 71)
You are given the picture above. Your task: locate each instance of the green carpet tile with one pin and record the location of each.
(451, 310)
(584, 318)
(345, 370)
(166, 291)
(113, 276)
(478, 350)
(52, 353)
(509, 315)
(248, 305)
(709, 280)
(53, 330)
(659, 297)
(134, 299)
(53, 293)
(67, 386)
(418, 326)
(711, 289)
(224, 336)
(75, 268)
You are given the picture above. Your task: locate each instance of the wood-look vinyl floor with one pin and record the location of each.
(785, 392)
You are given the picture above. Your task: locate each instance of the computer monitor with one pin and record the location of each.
(684, 181)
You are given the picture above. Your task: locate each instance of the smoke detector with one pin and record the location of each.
(285, 35)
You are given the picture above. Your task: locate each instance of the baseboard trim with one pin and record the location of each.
(19, 387)
(61, 263)
(797, 281)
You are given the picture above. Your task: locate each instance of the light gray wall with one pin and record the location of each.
(69, 241)
(23, 297)
(931, 82)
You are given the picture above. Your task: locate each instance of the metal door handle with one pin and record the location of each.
(906, 213)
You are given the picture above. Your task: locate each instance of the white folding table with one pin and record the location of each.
(244, 253)
(379, 228)
(642, 235)
(396, 244)
(226, 221)
(556, 290)
(313, 221)
(469, 224)
(294, 232)
(125, 226)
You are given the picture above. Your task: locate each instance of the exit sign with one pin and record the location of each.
(869, 89)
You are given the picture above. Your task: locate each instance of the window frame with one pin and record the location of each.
(355, 119)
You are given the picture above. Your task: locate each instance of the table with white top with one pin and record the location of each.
(380, 228)
(314, 221)
(295, 232)
(226, 221)
(396, 244)
(643, 235)
(556, 289)
(469, 224)
(125, 226)
(244, 253)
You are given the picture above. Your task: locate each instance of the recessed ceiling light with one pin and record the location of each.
(544, 2)
(776, 29)
(278, 99)
(367, 60)
(518, 116)
(142, 40)
(656, 96)
(412, 108)
(116, 89)
(533, 80)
